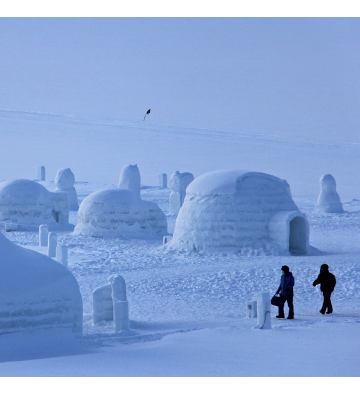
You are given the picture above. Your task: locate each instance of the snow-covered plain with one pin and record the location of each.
(188, 311)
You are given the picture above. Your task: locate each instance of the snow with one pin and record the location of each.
(130, 179)
(236, 210)
(188, 311)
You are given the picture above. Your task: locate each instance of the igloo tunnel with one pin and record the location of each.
(234, 209)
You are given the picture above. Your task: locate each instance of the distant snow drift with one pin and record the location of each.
(237, 210)
(328, 200)
(120, 212)
(36, 292)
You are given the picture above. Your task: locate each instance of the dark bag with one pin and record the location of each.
(275, 300)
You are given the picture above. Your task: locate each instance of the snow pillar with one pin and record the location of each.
(252, 309)
(178, 184)
(263, 310)
(43, 235)
(41, 173)
(52, 243)
(102, 304)
(162, 180)
(120, 304)
(62, 254)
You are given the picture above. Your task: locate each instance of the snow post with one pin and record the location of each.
(52, 243)
(120, 304)
(162, 180)
(43, 235)
(41, 173)
(263, 310)
(252, 308)
(62, 254)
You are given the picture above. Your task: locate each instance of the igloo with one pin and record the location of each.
(236, 210)
(36, 292)
(65, 181)
(28, 204)
(328, 200)
(120, 212)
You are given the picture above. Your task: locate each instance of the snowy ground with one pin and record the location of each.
(188, 311)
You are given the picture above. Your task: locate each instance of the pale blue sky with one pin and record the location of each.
(271, 75)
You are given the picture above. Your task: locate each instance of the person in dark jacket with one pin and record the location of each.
(327, 283)
(286, 291)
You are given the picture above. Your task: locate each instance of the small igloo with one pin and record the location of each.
(27, 204)
(65, 181)
(36, 292)
(328, 200)
(236, 210)
(120, 212)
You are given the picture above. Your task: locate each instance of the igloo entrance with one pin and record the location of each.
(297, 236)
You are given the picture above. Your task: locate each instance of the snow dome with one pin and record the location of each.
(119, 213)
(237, 210)
(328, 199)
(27, 203)
(36, 292)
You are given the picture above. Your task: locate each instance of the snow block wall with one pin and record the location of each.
(233, 209)
(65, 181)
(36, 292)
(178, 185)
(121, 212)
(328, 199)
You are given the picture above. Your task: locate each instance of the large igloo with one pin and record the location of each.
(27, 204)
(36, 292)
(120, 212)
(240, 210)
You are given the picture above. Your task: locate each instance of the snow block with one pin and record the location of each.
(52, 243)
(62, 254)
(251, 308)
(36, 292)
(43, 235)
(178, 185)
(263, 310)
(102, 304)
(328, 200)
(41, 173)
(162, 180)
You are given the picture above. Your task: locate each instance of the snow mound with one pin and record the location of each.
(36, 292)
(119, 213)
(241, 211)
(328, 200)
(25, 202)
